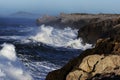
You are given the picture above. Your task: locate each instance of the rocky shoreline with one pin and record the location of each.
(103, 61)
(99, 63)
(74, 20)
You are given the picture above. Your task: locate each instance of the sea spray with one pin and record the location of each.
(66, 38)
(10, 67)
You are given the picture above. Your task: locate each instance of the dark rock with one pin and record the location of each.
(104, 47)
(90, 33)
(62, 73)
(100, 63)
(110, 76)
(75, 21)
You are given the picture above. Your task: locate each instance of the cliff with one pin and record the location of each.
(91, 26)
(102, 29)
(74, 20)
(99, 63)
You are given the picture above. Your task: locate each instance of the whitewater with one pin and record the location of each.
(11, 67)
(66, 38)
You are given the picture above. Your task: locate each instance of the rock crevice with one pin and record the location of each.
(104, 58)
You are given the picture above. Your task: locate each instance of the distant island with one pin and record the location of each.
(23, 14)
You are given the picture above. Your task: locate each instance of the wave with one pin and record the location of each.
(12, 37)
(10, 66)
(48, 35)
(39, 70)
(66, 38)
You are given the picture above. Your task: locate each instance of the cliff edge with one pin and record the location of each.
(99, 63)
(74, 20)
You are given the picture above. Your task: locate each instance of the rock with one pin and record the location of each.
(104, 58)
(46, 19)
(62, 73)
(77, 75)
(108, 64)
(99, 63)
(88, 63)
(74, 20)
(95, 64)
(108, 76)
(92, 32)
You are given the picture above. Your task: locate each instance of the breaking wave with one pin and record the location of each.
(10, 66)
(66, 38)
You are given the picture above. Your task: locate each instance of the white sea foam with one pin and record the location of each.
(66, 38)
(12, 37)
(26, 29)
(10, 67)
(42, 69)
(59, 38)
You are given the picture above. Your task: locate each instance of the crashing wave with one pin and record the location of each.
(66, 38)
(10, 67)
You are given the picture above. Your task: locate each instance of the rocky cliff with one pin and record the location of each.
(91, 26)
(75, 20)
(99, 63)
(102, 29)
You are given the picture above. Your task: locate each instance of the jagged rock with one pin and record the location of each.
(91, 26)
(74, 20)
(95, 64)
(104, 58)
(92, 32)
(103, 61)
(88, 63)
(77, 75)
(108, 76)
(109, 64)
(60, 74)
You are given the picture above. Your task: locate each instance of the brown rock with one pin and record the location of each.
(92, 32)
(77, 75)
(108, 65)
(74, 20)
(102, 59)
(88, 63)
(96, 64)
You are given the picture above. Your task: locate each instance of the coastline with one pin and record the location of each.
(105, 35)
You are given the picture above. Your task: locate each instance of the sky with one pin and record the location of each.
(58, 6)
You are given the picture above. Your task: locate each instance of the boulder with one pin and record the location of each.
(104, 58)
(95, 64)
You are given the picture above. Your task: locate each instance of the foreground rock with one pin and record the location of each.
(95, 64)
(99, 63)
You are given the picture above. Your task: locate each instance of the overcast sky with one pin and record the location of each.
(57, 6)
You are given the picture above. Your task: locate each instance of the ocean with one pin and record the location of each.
(30, 52)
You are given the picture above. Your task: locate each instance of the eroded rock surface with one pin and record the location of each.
(103, 59)
(102, 29)
(95, 64)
